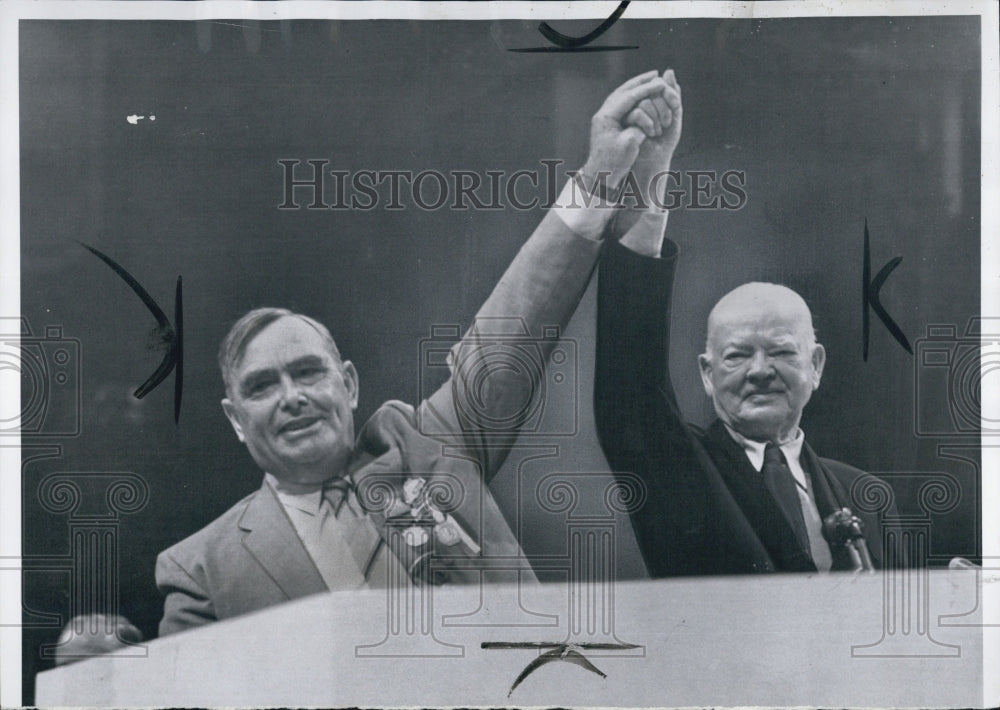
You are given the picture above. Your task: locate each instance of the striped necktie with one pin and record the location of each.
(347, 545)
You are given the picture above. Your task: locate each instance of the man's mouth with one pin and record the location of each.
(297, 425)
(766, 394)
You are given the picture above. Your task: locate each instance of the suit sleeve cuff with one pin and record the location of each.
(646, 236)
(585, 214)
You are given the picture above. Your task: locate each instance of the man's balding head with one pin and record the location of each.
(761, 361)
(759, 302)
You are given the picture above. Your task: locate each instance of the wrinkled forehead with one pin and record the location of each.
(287, 337)
(768, 329)
(772, 319)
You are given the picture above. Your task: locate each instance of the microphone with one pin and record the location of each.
(843, 529)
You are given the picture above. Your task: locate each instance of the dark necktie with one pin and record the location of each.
(781, 483)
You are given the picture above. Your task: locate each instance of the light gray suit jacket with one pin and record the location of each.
(251, 557)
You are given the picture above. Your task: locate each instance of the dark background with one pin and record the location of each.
(834, 121)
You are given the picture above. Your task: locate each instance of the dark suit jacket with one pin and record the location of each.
(706, 510)
(251, 557)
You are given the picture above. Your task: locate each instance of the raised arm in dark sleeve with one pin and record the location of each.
(688, 522)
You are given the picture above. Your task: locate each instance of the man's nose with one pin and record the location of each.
(760, 367)
(292, 396)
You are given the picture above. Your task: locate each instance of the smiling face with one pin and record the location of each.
(761, 362)
(292, 401)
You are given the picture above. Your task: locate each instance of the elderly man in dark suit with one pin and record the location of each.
(748, 494)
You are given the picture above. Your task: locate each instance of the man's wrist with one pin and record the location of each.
(584, 213)
(653, 177)
(599, 185)
(645, 237)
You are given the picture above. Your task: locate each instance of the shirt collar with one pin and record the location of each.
(755, 449)
(306, 497)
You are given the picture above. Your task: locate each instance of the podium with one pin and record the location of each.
(775, 640)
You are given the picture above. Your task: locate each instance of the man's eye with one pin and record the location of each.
(260, 387)
(310, 374)
(734, 357)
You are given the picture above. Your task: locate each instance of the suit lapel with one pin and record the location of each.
(826, 488)
(272, 541)
(828, 494)
(831, 495)
(736, 459)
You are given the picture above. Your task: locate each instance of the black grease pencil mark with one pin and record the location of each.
(871, 298)
(165, 332)
(568, 652)
(567, 43)
(560, 50)
(178, 349)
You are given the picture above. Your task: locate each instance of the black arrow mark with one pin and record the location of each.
(164, 332)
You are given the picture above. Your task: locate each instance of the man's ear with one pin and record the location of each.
(232, 414)
(350, 376)
(705, 365)
(818, 361)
